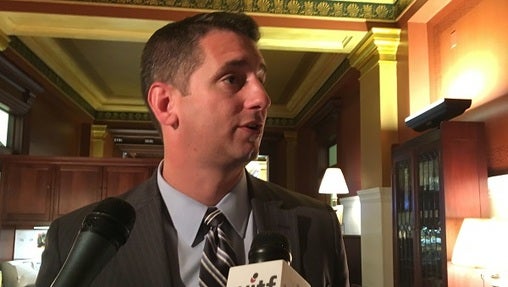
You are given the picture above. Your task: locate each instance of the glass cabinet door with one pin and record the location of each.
(429, 223)
(404, 223)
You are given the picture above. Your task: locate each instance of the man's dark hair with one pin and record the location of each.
(173, 53)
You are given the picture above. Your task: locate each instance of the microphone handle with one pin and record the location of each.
(89, 254)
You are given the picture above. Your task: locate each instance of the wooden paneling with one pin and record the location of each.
(26, 194)
(273, 145)
(118, 179)
(353, 247)
(76, 186)
(464, 165)
(36, 190)
(51, 132)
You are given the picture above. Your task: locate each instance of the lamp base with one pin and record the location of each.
(334, 200)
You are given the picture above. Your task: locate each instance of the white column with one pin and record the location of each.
(352, 217)
(376, 239)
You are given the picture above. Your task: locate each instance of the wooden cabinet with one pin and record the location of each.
(36, 190)
(118, 179)
(76, 186)
(438, 179)
(27, 192)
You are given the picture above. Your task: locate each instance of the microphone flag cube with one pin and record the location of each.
(275, 273)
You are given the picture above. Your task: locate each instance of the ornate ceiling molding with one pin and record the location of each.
(370, 10)
(379, 44)
(333, 16)
(52, 77)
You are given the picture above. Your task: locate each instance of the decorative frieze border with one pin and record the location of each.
(321, 8)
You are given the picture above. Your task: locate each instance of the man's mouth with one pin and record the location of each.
(254, 126)
(255, 129)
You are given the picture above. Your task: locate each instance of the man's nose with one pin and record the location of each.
(258, 98)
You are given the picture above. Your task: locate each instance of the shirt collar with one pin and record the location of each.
(187, 213)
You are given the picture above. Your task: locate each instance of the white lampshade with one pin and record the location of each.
(481, 243)
(333, 182)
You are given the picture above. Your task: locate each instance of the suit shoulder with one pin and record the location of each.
(271, 191)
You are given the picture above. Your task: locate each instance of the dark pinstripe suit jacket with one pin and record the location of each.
(149, 258)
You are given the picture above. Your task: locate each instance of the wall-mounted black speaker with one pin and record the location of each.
(439, 111)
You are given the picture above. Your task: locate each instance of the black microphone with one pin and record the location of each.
(267, 246)
(102, 233)
(269, 259)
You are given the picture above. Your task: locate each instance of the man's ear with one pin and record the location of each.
(161, 101)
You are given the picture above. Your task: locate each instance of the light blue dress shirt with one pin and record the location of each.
(187, 215)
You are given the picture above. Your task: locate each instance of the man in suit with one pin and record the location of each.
(203, 78)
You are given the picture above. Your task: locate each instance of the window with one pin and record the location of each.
(4, 127)
(332, 155)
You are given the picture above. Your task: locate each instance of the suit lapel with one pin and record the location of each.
(155, 239)
(269, 215)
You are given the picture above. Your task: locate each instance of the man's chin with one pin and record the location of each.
(252, 155)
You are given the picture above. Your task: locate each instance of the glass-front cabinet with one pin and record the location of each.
(404, 221)
(438, 178)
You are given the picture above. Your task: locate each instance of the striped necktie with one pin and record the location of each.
(218, 255)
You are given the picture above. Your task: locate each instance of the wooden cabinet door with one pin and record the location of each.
(27, 193)
(118, 179)
(76, 186)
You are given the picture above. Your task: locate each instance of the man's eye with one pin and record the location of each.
(231, 79)
(235, 80)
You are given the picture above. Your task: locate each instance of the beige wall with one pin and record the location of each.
(470, 51)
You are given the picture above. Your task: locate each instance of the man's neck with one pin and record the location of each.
(206, 185)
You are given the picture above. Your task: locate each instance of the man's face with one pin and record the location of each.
(223, 115)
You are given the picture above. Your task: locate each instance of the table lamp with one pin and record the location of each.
(333, 183)
(481, 244)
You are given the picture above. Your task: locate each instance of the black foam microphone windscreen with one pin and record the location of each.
(268, 246)
(102, 233)
(269, 264)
